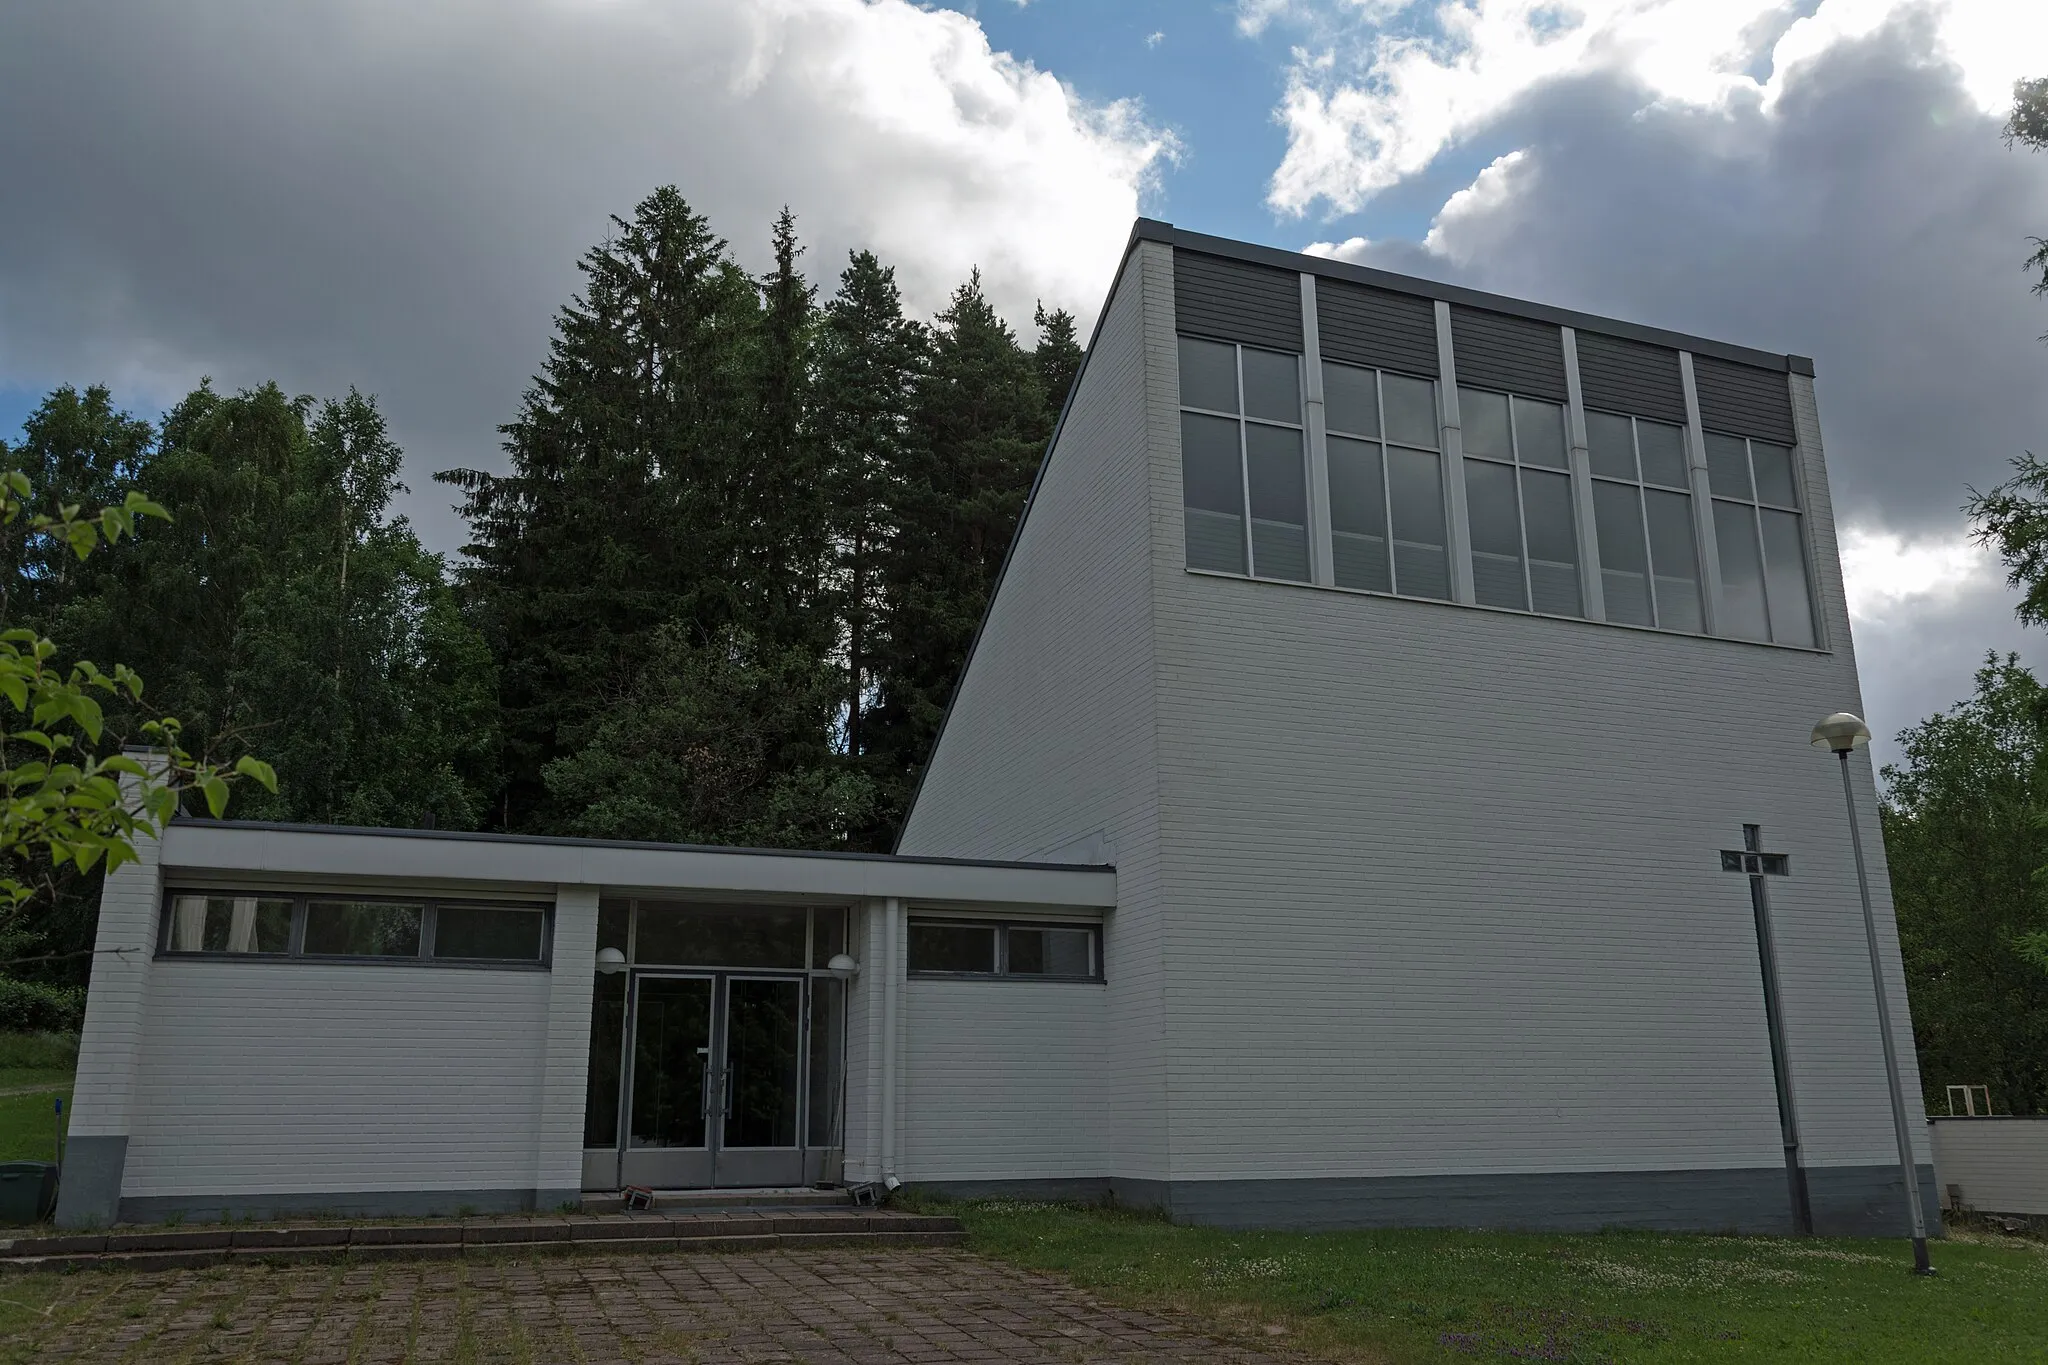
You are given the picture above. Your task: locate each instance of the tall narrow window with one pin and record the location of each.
(1766, 589)
(1244, 477)
(1518, 497)
(1642, 517)
(1386, 483)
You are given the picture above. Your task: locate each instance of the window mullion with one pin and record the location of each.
(1322, 551)
(1244, 468)
(1579, 460)
(1521, 507)
(1635, 449)
(1763, 551)
(1386, 483)
(1704, 534)
(1451, 463)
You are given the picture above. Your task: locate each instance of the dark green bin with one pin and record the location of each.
(28, 1191)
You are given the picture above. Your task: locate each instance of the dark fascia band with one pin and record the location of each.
(1153, 230)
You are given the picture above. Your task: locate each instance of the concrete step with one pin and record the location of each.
(741, 1230)
(793, 1198)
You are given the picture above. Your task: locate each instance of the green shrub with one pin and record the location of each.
(36, 1007)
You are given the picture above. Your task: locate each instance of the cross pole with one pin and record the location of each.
(1752, 861)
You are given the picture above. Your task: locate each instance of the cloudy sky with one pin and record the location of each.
(393, 193)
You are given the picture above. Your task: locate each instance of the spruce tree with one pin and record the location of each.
(783, 478)
(656, 558)
(1057, 359)
(978, 423)
(870, 359)
(621, 511)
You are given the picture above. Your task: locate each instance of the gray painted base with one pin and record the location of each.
(89, 1191)
(1851, 1201)
(361, 1204)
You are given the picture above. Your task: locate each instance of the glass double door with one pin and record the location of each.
(715, 1085)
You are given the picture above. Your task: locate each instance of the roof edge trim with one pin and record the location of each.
(637, 845)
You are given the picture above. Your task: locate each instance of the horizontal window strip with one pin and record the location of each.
(337, 927)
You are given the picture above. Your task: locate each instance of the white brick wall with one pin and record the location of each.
(1999, 1165)
(1408, 887)
(1005, 1080)
(1051, 739)
(117, 998)
(1445, 892)
(565, 1062)
(292, 1077)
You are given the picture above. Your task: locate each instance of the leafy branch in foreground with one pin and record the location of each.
(63, 803)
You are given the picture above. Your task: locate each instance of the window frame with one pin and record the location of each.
(1002, 928)
(1514, 462)
(295, 951)
(1654, 510)
(1757, 507)
(1643, 488)
(1243, 418)
(1387, 444)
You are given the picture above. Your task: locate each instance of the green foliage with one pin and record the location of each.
(65, 803)
(1057, 358)
(978, 426)
(1964, 839)
(39, 1008)
(2012, 519)
(870, 361)
(38, 1049)
(2028, 126)
(286, 606)
(634, 499)
(723, 741)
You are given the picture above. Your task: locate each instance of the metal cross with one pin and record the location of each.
(1756, 864)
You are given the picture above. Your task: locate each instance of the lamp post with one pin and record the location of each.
(1843, 732)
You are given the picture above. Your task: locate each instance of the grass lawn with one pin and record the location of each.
(28, 1125)
(1443, 1296)
(35, 1068)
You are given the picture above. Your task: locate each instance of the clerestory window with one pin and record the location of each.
(1386, 482)
(1642, 516)
(1518, 500)
(1244, 474)
(1765, 587)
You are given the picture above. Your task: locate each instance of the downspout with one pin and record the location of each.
(892, 955)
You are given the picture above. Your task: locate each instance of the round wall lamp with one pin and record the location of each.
(610, 961)
(843, 966)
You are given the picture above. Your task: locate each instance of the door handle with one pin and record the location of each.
(726, 1112)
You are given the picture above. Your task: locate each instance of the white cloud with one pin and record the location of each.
(1254, 16)
(393, 195)
(1857, 207)
(1155, 38)
(1488, 193)
(1350, 249)
(1367, 107)
(1885, 573)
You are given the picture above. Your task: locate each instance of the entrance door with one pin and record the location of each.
(759, 1132)
(716, 1090)
(667, 1139)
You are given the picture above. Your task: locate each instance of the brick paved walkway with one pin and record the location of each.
(823, 1307)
